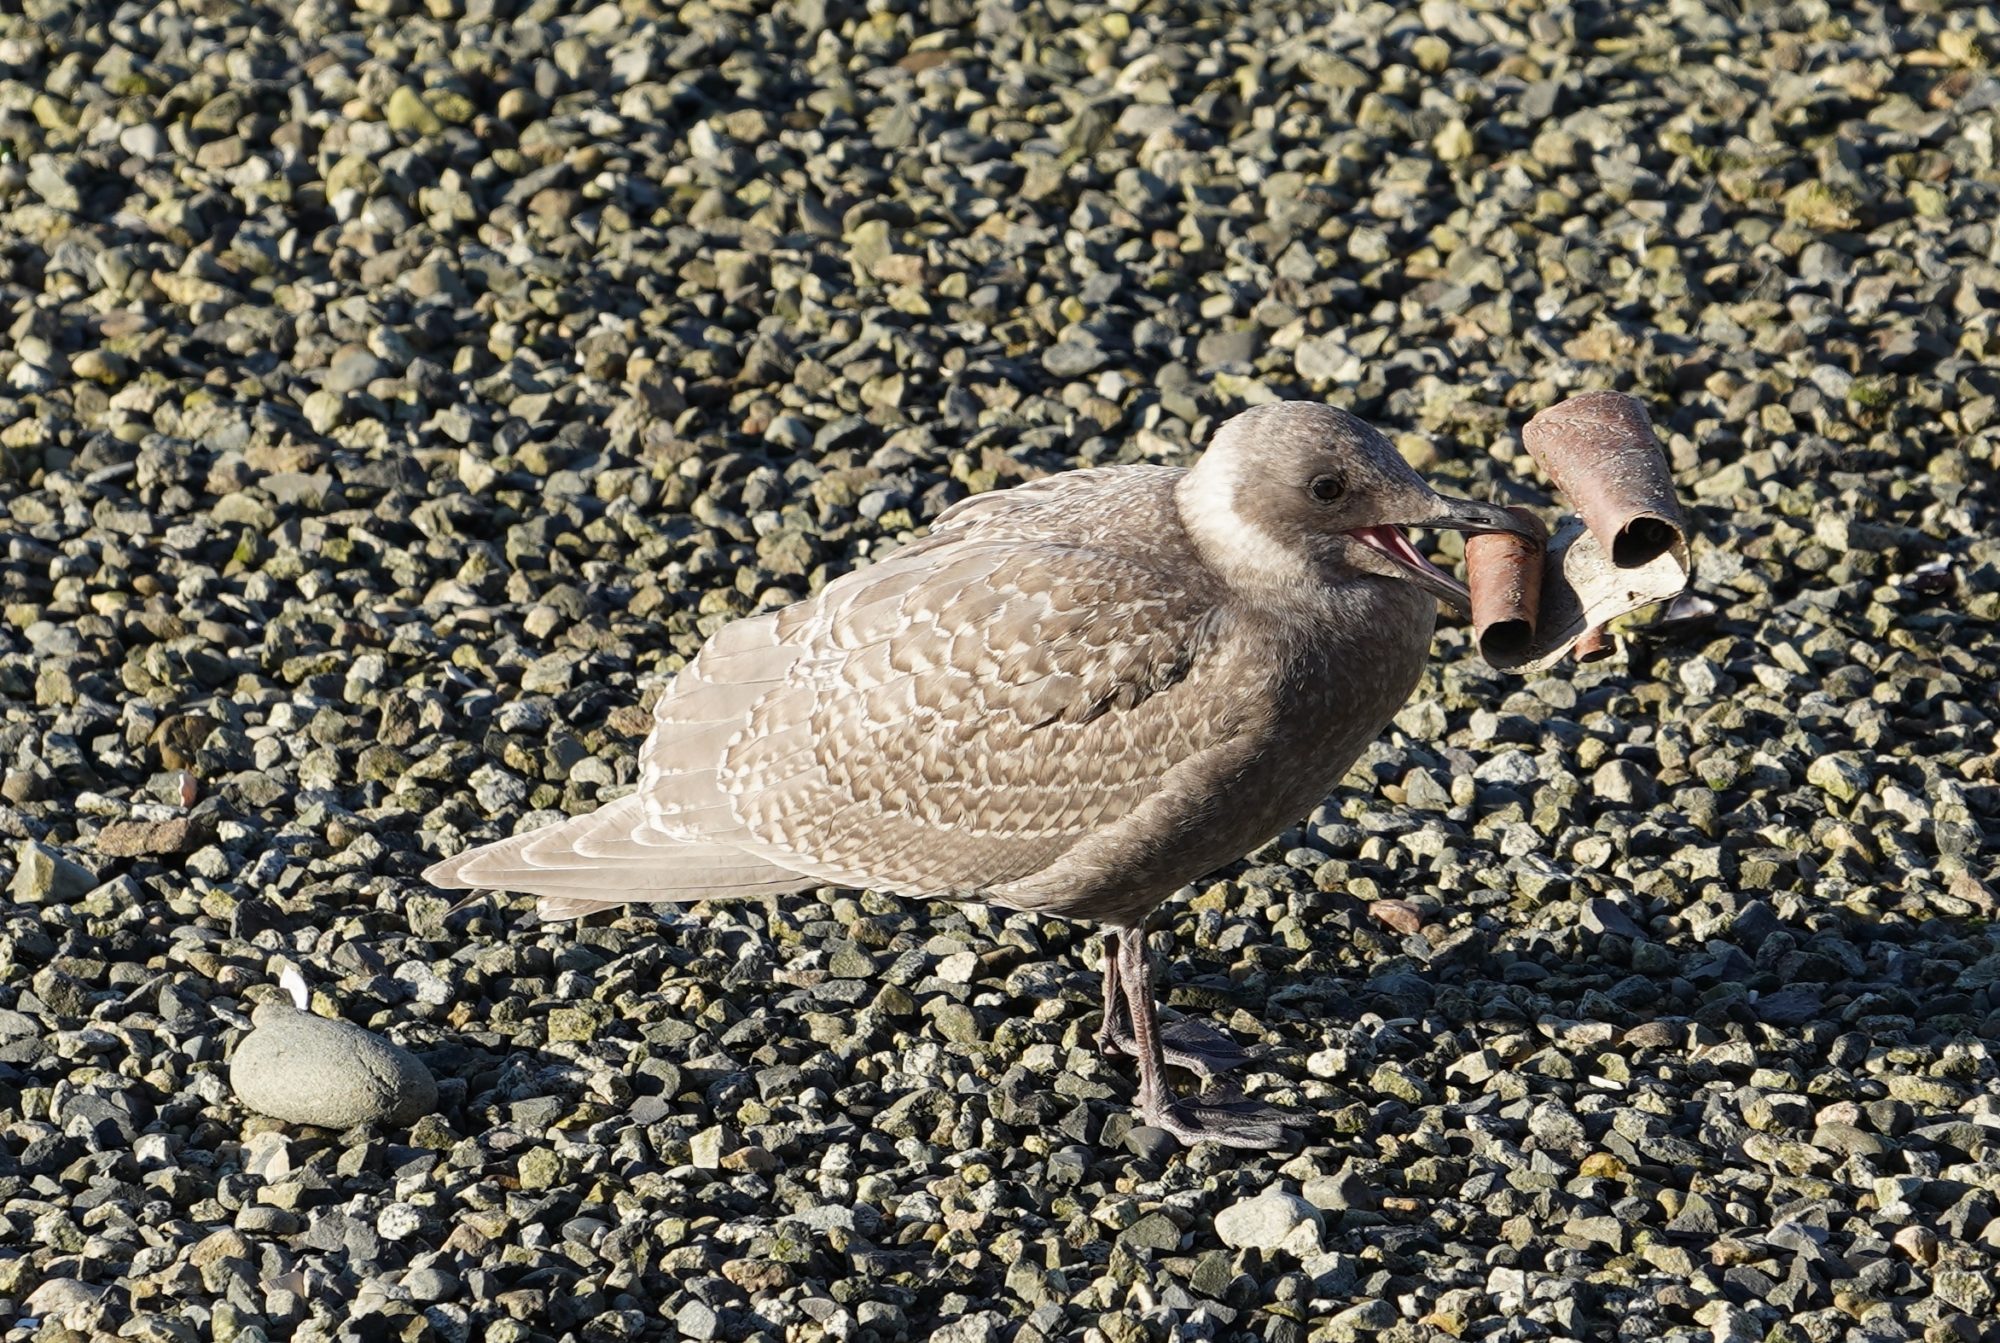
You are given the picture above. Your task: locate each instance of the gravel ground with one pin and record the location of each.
(392, 399)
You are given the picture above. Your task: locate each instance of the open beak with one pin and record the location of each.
(1457, 515)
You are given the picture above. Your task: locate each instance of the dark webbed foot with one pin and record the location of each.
(1184, 1043)
(1245, 1124)
(1194, 1045)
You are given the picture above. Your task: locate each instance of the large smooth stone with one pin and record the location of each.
(307, 1069)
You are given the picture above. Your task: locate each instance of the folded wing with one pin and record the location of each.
(947, 721)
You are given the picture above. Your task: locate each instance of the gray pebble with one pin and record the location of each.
(1272, 1220)
(43, 873)
(1073, 358)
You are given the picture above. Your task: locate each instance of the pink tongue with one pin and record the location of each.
(1391, 541)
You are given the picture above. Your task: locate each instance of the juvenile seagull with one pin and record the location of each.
(1072, 697)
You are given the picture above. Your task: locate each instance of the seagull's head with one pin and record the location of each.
(1296, 492)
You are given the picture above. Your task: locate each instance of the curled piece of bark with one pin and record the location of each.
(1599, 450)
(1504, 573)
(1629, 548)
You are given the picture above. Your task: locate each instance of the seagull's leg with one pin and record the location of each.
(1114, 1036)
(1129, 949)
(1185, 1043)
(1233, 1124)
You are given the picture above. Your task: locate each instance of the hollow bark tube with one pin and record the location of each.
(1599, 450)
(1504, 573)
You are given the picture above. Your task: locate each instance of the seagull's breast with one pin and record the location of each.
(1302, 699)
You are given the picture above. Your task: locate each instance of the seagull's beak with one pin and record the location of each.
(1466, 515)
(1449, 514)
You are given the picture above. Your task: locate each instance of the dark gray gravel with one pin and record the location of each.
(394, 394)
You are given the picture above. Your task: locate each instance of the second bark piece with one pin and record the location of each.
(1504, 573)
(1600, 451)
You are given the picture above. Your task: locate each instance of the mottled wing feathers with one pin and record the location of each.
(946, 721)
(1053, 506)
(611, 856)
(965, 736)
(702, 712)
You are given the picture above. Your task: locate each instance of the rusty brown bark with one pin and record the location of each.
(1627, 548)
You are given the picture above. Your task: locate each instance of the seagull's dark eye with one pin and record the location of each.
(1326, 489)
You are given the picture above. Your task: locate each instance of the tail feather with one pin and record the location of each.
(610, 858)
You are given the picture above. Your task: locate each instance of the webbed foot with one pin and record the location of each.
(1240, 1123)
(1194, 1045)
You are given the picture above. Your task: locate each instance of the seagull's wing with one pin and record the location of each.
(947, 721)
